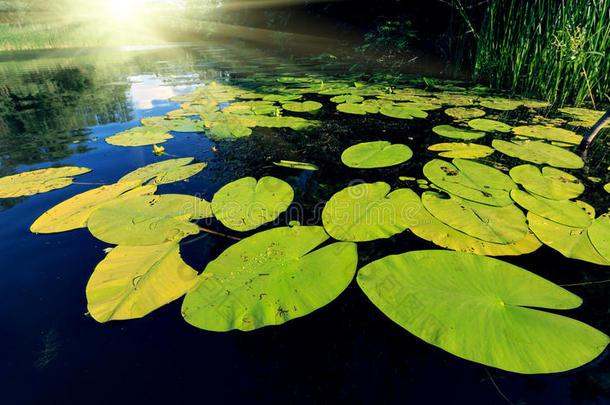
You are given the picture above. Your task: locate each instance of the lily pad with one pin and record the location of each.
(270, 278)
(38, 181)
(282, 98)
(492, 224)
(305, 106)
(482, 309)
(296, 165)
(428, 227)
(461, 150)
(599, 234)
(471, 180)
(228, 131)
(185, 125)
(483, 124)
(402, 112)
(139, 136)
(548, 133)
(501, 104)
(347, 98)
(449, 131)
(148, 220)
(133, 281)
(352, 108)
(167, 171)
(462, 113)
(551, 183)
(572, 242)
(539, 152)
(74, 212)
(564, 212)
(366, 211)
(369, 155)
(246, 204)
(584, 116)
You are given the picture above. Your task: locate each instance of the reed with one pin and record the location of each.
(553, 49)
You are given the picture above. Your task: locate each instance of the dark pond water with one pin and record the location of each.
(57, 107)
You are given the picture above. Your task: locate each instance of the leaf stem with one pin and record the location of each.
(218, 233)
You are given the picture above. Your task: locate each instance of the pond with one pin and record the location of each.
(58, 108)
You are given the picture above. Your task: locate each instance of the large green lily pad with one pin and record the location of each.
(167, 171)
(461, 150)
(449, 131)
(228, 131)
(599, 235)
(369, 155)
(133, 281)
(352, 108)
(270, 278)
(550, 183)
(347, 98)
(570, 241)
(148, 220)
(428, 227)
(305, 106)
(483, 124)
(539, 152)
(561, 211)
(246, 204)
(482, 309)
(471, 180)
(548, 133)
(492, 224)
(501, 104)
(462, 113)
(402, 112)
(367, 211)
(584, 117)
(139, 136)
(38, 181)
(74, 212)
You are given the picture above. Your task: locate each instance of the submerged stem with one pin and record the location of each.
(218, 233)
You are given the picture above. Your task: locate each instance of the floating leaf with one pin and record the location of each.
(246, 204)
(607, 187)
(584, 116)
(539, 152)
(228, 131)
(501, 104)
(367, 155)
(148, 220)
(282, 97)
(38, 181)
(347, 98)
(564, 212)
(402, 112)
(133, 281)
(482, 309)
(599, 235)
(492, 224)
(570, 241)
(549, 133)
(366, 211)
(270, 278)
(167, 171)
(74, 212)
(428, 227)
(305, 106)
(471, 180)
(462, 113)
(483, 124)
(185, 125)
(535, 103)
(461, 150)
(551, 183)
(350, 108)
(139, 136)
(449, 131)
(296, 165)
(295, 123)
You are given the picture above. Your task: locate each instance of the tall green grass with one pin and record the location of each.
(554, 49)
